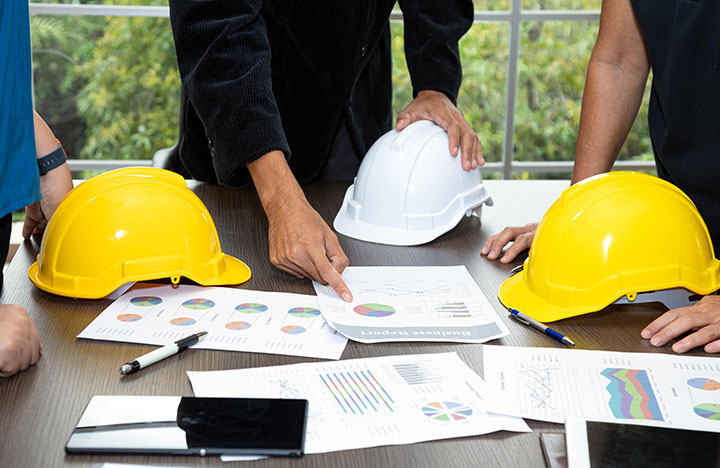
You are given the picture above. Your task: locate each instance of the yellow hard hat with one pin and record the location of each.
(131, 224)
(619, 237)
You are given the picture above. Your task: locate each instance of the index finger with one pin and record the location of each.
(329, 274)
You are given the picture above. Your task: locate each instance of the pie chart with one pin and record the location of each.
(237, 325)
(251, 308)
(129, 317)
(708, 411)
(374, 310)
(145, 301)
(293, 329)
(702, 383)
(304, 312)
(182, 321)
(198, 304)
(446, 411)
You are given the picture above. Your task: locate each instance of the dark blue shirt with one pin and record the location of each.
(683, 44)
(19, 177)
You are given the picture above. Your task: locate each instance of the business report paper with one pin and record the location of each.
(637, 388)
(411, 304)
(235, 319)
(371, 402)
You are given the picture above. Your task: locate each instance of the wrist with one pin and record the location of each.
(52, 159)
(275, 184)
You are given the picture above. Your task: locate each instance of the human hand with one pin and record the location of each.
(435, 106)
(521, 238)
(53, 187)
(703, 316)
(302, 244)
(20, 344)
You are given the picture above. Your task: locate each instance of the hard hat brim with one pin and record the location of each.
(360, 230)
(236, 272)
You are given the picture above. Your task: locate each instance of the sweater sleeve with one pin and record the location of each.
(223, 55)
(432, 32)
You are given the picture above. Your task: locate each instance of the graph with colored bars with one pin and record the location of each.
(705, 397)
(418, 373)
(538, 384)
(631, 394)
(358, 392)
(453, 310)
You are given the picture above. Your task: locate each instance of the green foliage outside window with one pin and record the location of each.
(109, 86)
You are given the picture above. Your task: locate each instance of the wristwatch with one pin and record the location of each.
(52, 160)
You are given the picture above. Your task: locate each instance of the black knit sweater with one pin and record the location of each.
(278, 74)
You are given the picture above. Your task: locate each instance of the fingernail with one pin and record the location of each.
(655, 341)
(483, 251)
(680, 347)
(455, 150)
(646, 333)
(346, 297)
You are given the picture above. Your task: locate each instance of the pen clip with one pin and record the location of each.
(517, 269)
(519, 319)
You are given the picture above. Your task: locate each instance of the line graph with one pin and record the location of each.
(538, 385)
(404, 288)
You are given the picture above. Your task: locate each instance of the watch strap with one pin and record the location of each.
(52, 160)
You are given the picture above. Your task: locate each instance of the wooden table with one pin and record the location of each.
(39, 407)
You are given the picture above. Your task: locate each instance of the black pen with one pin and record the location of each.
(161, 353)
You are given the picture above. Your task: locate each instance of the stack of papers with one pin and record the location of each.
(411, 304)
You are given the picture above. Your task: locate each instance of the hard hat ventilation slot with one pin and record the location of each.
(175, 279)
(631, 297)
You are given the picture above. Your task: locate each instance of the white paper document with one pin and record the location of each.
(370, 402)
(235, 319)
(411, 304)
(635, 388)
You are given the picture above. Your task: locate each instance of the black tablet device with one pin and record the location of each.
(191, 426)
(611, 445)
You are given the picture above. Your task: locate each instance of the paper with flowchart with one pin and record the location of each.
(235, 319)
(371, 402)
(635, 388)
(411, 304)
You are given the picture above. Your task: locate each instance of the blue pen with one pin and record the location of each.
(531, 322)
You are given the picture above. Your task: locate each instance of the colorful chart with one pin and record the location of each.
(702, 383)
(374, 310)
(708, 411)
(198, 304)
(183, 321)
(129, 317)
(145, 301)
(358, 392)
(446, 411)
(293, 329)
(239, 325)
(251, 308)
(631, 395)
(453, 310)
(304, 312)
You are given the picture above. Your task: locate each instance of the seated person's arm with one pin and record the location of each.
(616, 77)
(19, 340)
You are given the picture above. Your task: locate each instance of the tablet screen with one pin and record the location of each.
(624, 445)
(184, 425)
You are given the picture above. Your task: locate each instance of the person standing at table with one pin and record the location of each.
(679, 41)
(266, 78)
(28, 147)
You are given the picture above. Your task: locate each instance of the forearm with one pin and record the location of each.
(45, 141)
(275, 183)
(610, 103)
(614, 87)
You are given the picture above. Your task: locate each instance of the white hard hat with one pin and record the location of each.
(410, 189)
